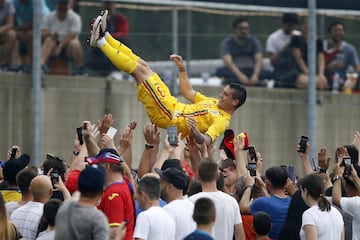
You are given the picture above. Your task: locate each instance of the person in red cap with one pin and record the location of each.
(117, 201)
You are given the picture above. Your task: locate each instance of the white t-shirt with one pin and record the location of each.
(154, 224)
(181, 212)
(27, 218)
(71, 23)
(278, 40)
(227, 213)
(351, 205)
(329, 225)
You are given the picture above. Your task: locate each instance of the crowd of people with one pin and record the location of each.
(176, 192)
(287, 50)
(61, 26)
(182, 190)
(337, 61)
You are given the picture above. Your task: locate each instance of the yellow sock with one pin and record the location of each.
(119, 59)
(120, 46)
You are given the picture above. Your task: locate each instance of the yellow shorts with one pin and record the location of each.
(158, 101)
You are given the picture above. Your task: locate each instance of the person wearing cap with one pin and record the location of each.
(153, 223)
(80, 219)
(172, 183)
(27, 217)
(60, 31)
(228, 221)
(117, 202)
(10, 170)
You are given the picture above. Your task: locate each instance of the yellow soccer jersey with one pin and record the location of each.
(210, 119)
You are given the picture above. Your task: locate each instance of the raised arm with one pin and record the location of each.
(186, 88)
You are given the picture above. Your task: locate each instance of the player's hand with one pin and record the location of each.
(178, 60)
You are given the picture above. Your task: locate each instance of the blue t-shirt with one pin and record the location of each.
(276, 207)
(139, 210)
(199, 235)
(24, 12)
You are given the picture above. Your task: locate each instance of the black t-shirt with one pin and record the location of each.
(301, 43)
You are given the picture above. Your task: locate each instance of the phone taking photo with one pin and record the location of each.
(13, 151)
(54, 176)
(172, 135)
(252, 168)
(252, 153)
(80, 135)
(303, 143)
(111, 132)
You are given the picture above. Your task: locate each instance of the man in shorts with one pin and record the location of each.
(205, 118)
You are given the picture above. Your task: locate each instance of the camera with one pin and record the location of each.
(54, 176)
(252, 153)
(172, 135)
(252, 168)
(303, 143)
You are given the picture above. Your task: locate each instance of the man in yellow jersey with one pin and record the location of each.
(205, 118)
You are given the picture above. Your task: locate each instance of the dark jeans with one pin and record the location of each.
(229, 77)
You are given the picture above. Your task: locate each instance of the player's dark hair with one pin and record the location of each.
(207, 171)
(151, 186)
(315, 188)
(290, 18)
(238, 21)
(277, 176)
(238, 93)
(262, 223)
(204, 211)
(333, 24)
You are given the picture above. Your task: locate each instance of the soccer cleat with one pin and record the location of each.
(95, 31)
(103, 24)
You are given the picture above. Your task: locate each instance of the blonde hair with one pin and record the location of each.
(7, 229)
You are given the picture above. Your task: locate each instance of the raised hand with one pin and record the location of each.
(106, 123)
(323, 159)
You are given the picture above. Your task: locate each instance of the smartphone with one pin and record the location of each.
(303, 143)
(111, 132)
(13, 151)
(346, 162)
(54, 176)
(80, 135)
(252, 168)
(172, 135)
(291, 172)
(252, 153)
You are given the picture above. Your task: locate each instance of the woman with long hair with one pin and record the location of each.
(8, 230)
(321, 221)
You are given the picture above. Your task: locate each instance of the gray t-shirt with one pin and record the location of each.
(87, 222)
(5, 11)
(243, 55)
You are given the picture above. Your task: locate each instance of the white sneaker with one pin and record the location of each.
(95, 31)
(103, 25)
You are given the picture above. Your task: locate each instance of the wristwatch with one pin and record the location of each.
(148, 146)
(336, 177)
(76, 153)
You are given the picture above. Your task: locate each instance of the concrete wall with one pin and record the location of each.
(273, 118)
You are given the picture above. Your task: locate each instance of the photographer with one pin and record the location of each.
(349, 176)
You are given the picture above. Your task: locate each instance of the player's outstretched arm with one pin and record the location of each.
(186, 88)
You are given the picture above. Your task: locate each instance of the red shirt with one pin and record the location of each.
(117, 204)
